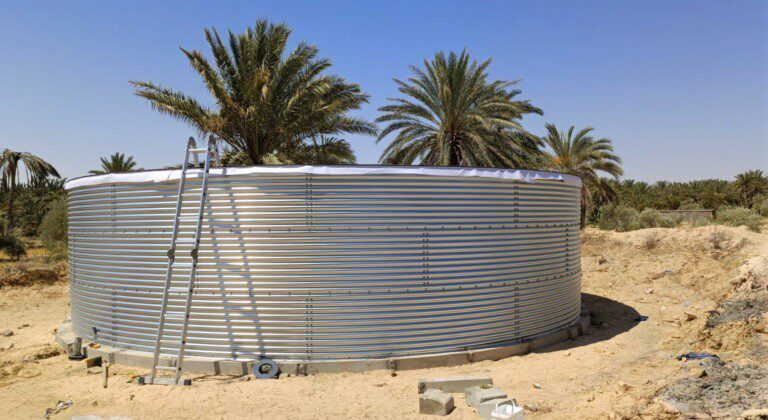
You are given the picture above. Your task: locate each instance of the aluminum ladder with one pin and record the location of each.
(192, 150)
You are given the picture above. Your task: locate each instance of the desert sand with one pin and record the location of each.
(702, 289)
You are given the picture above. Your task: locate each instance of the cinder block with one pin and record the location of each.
(478, 394)
(574, 331)
(453, 383)
(436, 403)
(484, 408)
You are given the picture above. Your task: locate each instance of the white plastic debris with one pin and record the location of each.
(507, 410)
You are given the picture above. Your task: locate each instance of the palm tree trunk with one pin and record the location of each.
(583, 206)
(11, 197)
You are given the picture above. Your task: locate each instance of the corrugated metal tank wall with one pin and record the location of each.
(320, 267)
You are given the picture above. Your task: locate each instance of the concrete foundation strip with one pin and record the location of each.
(65, 336)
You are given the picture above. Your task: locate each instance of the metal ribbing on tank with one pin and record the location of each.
(320, 267)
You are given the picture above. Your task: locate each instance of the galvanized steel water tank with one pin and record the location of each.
(325, 263)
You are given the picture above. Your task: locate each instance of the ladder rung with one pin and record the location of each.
(185, 241)
(175, 315)
(179, 289)
(198, 150)
(166, 368)
(181, 265)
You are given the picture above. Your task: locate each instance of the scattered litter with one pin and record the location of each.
(7, 333)
(537, 385)
(23, 326)
(696, 356)
(60, 406)
(507, 410)
(690, 316)
(641, 318)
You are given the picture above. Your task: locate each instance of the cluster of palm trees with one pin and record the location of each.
(274, 106)
(746, 190)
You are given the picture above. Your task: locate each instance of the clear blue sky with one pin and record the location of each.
(680, 86)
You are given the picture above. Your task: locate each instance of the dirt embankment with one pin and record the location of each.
(655, 294)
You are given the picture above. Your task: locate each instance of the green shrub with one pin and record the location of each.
(606, 217)
(53, 230)
(12, 246)
(650, 218)
(739, 216)
(761, 205)
(671, 220)
(620, 218)
(627, 219)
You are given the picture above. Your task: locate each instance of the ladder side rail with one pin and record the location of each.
(171, 258)
(193, 270)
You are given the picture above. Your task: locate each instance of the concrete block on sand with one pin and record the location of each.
(435, 403)
(478, 394)
(454, 383)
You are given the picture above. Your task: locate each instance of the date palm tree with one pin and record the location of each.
(582, 155)
(452, 115)
(750, 184)
(266, 100)
(115, 163)
(11, 163)
(325, 151)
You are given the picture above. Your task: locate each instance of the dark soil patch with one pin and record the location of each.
(24, 275)
(722, 387)
(738, 310)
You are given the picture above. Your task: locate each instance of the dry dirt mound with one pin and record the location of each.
(29, 274)
(717, 388)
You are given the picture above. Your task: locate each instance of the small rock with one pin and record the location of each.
(755, 414)
(602, 261)
(7, 333)
(244, 378)
(605, 325)
(690, 317)
(94, 403)
(23, 326)
(537, 385)
(532, 407)
(393, 374)
(623, 387)
(131, 397)
(94, 370)
(667, 407)
(649, 291)
(699, 373)
(567, 354)
(379, 385)
(590, 398)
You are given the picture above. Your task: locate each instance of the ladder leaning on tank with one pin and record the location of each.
(210, 151)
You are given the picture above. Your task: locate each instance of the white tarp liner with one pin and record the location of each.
(163, 175)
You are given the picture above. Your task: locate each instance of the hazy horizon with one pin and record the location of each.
(681, 88)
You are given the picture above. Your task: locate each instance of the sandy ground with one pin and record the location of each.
(675, 277)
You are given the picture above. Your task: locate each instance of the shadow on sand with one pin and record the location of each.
(619, 317)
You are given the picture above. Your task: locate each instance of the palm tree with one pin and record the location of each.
(582, 155)
(115, 163)
(750, 184)
(266, 100)
(10, 165)
(325, 151)
(453, 116)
